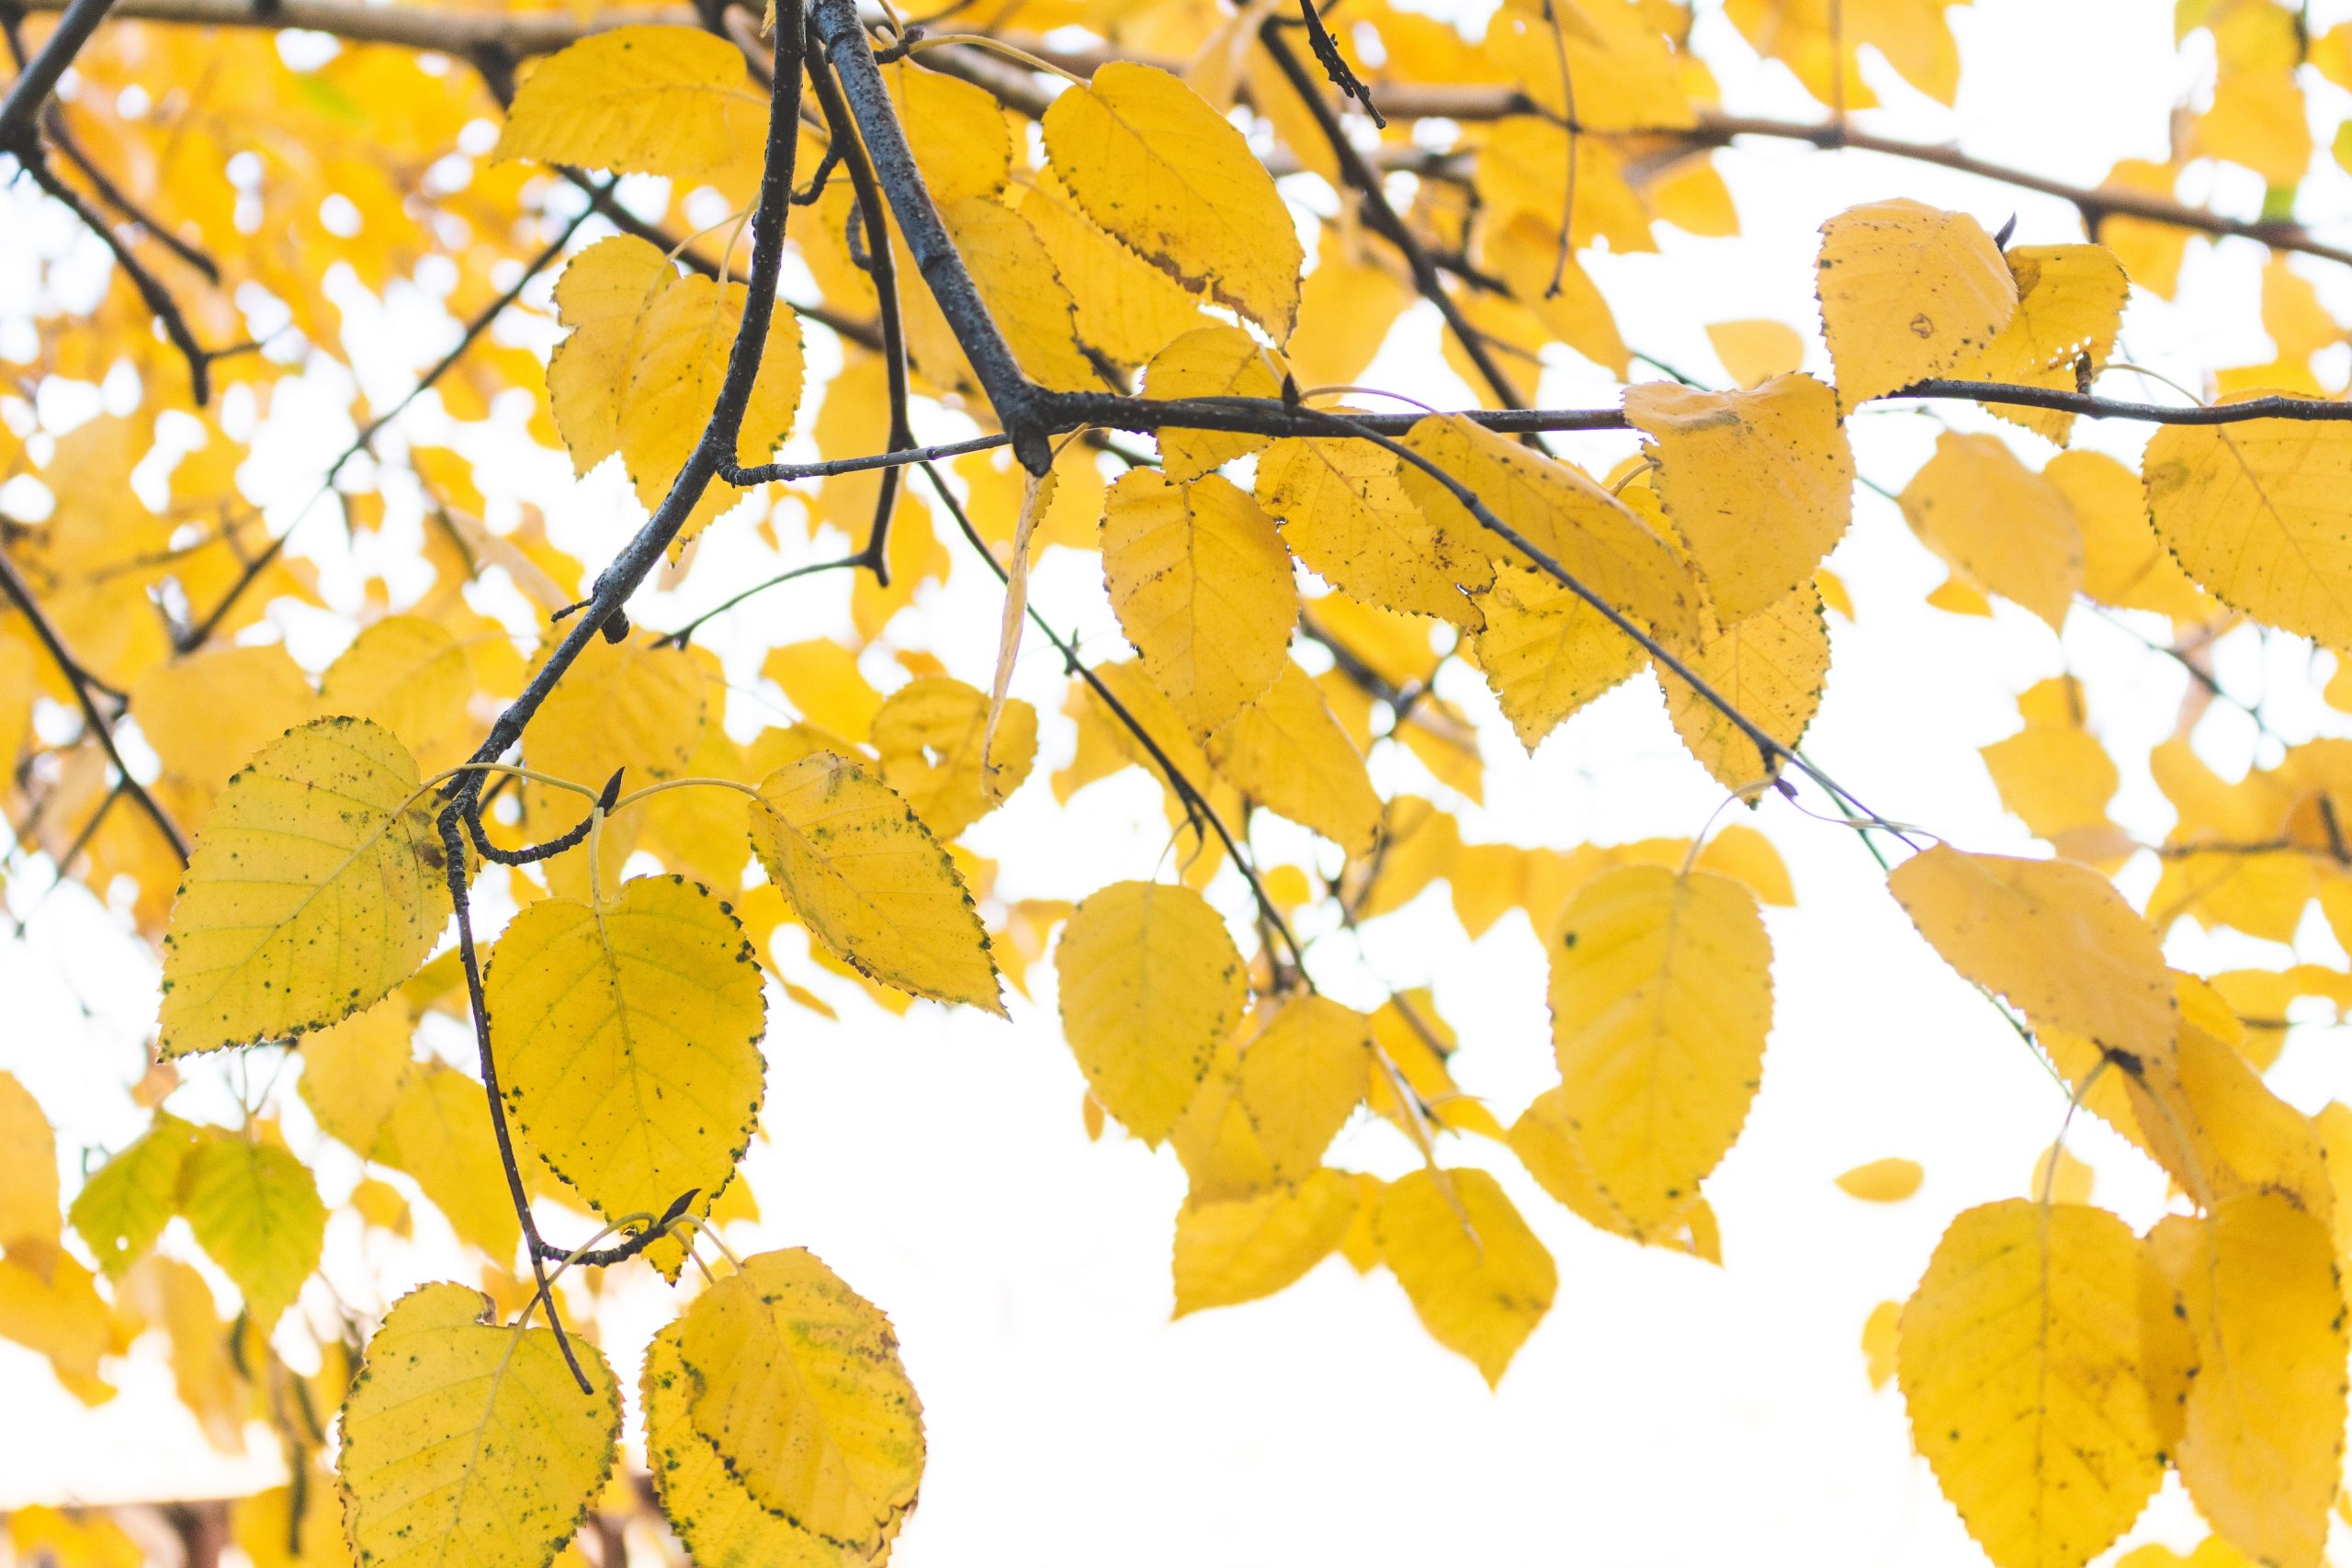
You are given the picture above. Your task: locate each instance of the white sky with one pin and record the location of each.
(1666, 1413)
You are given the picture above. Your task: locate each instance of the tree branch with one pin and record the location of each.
(20, 111)
(21, 593)
(1002, 379)
(882, 267)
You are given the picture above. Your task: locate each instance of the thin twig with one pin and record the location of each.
(21, 595)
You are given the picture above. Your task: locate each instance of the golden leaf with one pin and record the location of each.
(1150, 983)
(1241, 1249)
(1908, 292)
(644, 100)
(1476, 1274)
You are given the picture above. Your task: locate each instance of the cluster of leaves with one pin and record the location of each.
(1030, 267)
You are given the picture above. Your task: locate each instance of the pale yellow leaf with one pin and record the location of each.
(1477, 1277)
(928, 734)
(1345, 514)
(410, 676)
(1302, 1075)
(1210, 362)
(2054, 937)
(628, 1041)
(1286, 752)
(29, 1218)
(645, 101)
(1755, 350)
(2260, 516)
(1241, 1249)
(1887, 1180)
(2004, 527)
(1661, 998)
(1770, 667)
(1546, 651)
(2070, 304)
(1150, 983)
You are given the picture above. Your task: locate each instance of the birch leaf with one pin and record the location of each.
(317, 886)
(1476, 1274)
(466, 1444)
(1150, 983)
(640, 100)
(1908, 292)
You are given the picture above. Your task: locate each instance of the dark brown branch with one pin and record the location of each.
(882, 267)
(1001, 376)
(20, 111)
(21, 594)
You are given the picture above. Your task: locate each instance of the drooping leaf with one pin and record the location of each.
(1661, 998)
(126, 1203)
(2002, 527)
(1547, 651)
(2021, 1364)
(469, 1444)
(1301, 1075)
(1477, 1276)
(1241, 1249)
(929, 734)
(629, 1036)
(796, 1384)
(29, 1218)
(1210, 362)
(317, 886)
(1203, 587)
(1150, 983)
(1286, 752)
(1345, 514)
(2263, 1443)
(1771, 668)
(868, 879)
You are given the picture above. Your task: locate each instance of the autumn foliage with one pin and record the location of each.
(902, 294)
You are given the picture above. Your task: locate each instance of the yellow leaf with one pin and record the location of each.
(821, 679)
(1661, 996)
(2064, 1177)
(1759, 485)
(1286, 752)
(28, 1212)
(2054, 937)
(867, 878)
(1345, 310)
(795, 1381)
(1771, 667)
(1546, 651)
(1210, 362)
(1477, 1277)
(411, 676)
(2259, 517)
(722, 1525)
(2262, 1445)
(1593, 536)
(1755, 350)
(1345, 514)
(629, 1037)
(1302, 1075)
(2070, 303)
(1883, 1180)
(1022, 289)
(127, 1201)
(353, 1072)
(206, 713)
(1242, 1249)
(1153, 164)
(58, 1313)
(627, 705)
(1203, 587)
(465, 1441)
(928, 734)
(2008, 529)
(204, 1367)
(956, 130)
(256, 1212)
(439, 1133)
(317, 886)
(1128, 307)
(1150, 983)
(1908, 292)
(1879, 1332)
(639, 374)
(643, 100)
(2021, 1365)
(1745, 855)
